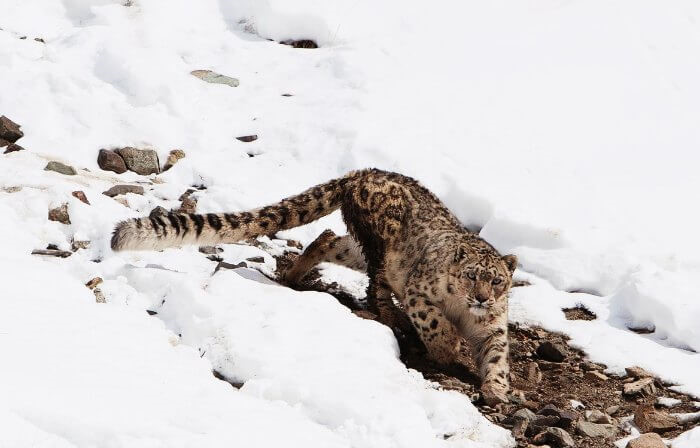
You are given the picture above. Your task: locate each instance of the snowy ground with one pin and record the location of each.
(568, 131)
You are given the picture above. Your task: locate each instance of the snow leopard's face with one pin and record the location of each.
(480, 280)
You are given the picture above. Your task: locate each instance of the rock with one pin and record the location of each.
(303, 43)
(109, 160)
(525, 414)
(158, 211)
(93, 282)
(533, 372)
(543, 421)
(597, 416)
(188, 205)
(595, 375)
(256, 259)
(61, 168)
(648, 440)
(99, 296)
(173, 157)
(637, 372)
(247, 138)
(140, 161)
(215, 78)
(566, 418)
(80, 195)
(210, 250)
(644, 386)
(80, 244)
(649, 419)
(552, 352)
(224, 265)
(556, 436)
(519, 428)
(588, 429)
(52, 252)
(612, 410)
(123, 189)
(588, 366)
(9, 130)
(9, 146)
(60, 214)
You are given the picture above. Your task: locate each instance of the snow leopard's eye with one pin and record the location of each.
(496, 281)
(471, 275)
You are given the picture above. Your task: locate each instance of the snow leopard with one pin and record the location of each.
(451, 284)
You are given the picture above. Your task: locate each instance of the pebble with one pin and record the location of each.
(61, 168)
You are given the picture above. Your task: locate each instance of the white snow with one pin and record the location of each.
(566, 130)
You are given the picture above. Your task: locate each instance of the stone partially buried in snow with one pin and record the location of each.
(9, 146)
(60, 214)
(60, 168)
(648, 440)
(109, 160)
(215, 78)
(140, 161)
(649, 419)
(9, 130)
(123, 189)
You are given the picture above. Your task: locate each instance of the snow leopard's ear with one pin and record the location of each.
(511, 262)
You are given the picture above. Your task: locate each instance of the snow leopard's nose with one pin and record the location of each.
(481, 298)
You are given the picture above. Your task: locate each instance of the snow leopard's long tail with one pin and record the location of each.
(178, 229)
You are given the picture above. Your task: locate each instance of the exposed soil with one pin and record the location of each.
(535, 381)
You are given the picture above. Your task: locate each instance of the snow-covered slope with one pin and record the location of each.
(568, 131)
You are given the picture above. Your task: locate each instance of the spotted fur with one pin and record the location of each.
(451, 284)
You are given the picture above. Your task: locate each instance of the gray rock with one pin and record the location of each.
(60, 214)
(61, 168)
(140, 161)
(109, 160)
(123, 189)
(247, 138)
(637, 372)
(9, 130)
(173, 157)
(215, 78)
(525, 414)
(53, 252)
(556, 436)
(597, 416)
(644, 386)
(210, 250)
(588, 429)
(258, 259)
(648, 440)
(566, 418)
(611, 410)
(552, 352)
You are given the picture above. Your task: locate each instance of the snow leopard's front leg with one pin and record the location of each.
(490, 347)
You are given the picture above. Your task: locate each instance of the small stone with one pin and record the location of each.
(648, 440)
(80, 195)
(552, 352)
(173, 157)
(52, 252)
(140, 161)
(566, 418)
(556, 436)
(99, 296)
(588, 429)
(597, 416)
(9, 146)
(93, 282)
(588, 366)
(644, 386)
(637, 372)
(188, 205)
(123, 189)
(519, 428)
(60, 214)
(9, 130)
(525, 414)
(158, 211)
(649, 419)
(109, 160)
(612, 410)
(224, 265)
(80, 244)
(533, 372)
(39, 39)
(256, 259)
(247, 138)
(595, 375)
(302, 43)
(215, 78)
(210, 250)
(61, 168)
(544, 421)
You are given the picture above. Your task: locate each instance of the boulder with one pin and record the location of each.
(9, 130)
(140, 161)
(550, 351)
(109, 160)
